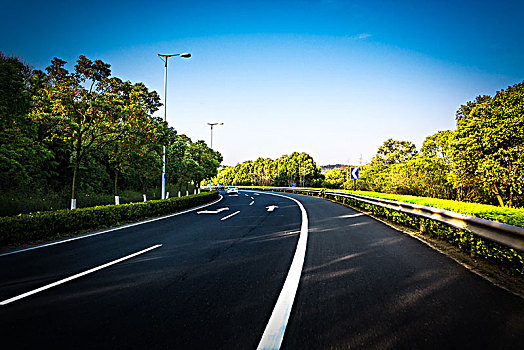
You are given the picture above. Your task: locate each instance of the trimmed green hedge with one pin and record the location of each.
(52, 224)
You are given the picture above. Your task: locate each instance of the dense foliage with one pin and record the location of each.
(87, 131)
(298, 168)
(482, 161)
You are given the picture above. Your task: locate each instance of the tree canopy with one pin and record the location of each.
(298, 168)
(89, 129)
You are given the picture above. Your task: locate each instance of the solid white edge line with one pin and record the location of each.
(276, 326)
(230, 215)
(62, 281)
(115, 228)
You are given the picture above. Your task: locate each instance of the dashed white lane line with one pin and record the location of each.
(252, 203)
(230, 215)
(276, 326)
(21, 296)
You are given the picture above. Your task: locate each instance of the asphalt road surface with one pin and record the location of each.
(210, 279)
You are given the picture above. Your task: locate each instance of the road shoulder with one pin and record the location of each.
(492, 273)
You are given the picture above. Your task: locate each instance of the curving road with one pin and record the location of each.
(210, 279)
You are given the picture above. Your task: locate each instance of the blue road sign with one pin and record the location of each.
(354, 173)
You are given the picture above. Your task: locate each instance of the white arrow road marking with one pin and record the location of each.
(5, 302)
(271, 207)
(227, 217)
(212, 211)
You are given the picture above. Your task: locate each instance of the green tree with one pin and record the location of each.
(79, 108)
(297, 168)
(334, 178)
(138, 128)
(393, 151)
(22, 154)
(381, 174)
(464, 110)
(175, 162)
(244, 174)
(226, 176)
(488, 151)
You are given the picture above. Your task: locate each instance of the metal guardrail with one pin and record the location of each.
(508, 235)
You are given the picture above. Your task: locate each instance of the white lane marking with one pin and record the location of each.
(115, 228)
(272, 207)
(276, 327)
(252, 202)
(213, 211)
(227, 217)
(351, 216)
(62, 281)
(252, 198)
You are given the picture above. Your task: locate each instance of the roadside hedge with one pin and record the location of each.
(45, 225)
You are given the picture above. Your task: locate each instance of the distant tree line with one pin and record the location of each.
(482, 161)
(298, 168)
(85, 130)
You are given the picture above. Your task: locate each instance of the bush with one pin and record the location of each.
(25, 228)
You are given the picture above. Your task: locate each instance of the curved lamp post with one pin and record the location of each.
(184, 55)
(212, 125)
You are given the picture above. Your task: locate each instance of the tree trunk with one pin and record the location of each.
(73, 187)
(78, 158)
(497, 194)
(143, 182)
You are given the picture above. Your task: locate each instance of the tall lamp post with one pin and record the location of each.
(212, 125)
(184, 55)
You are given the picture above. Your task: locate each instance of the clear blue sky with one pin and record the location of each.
(332, 78)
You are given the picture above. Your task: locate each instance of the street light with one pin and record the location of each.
(184, 55)
(212, 125)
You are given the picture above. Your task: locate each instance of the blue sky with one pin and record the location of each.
(331, 78)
